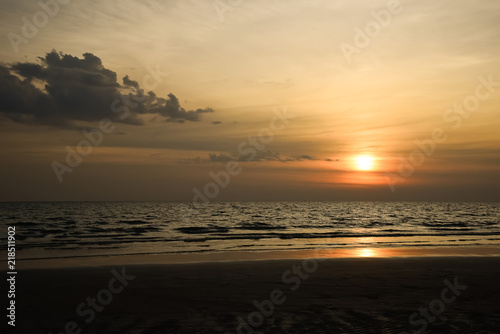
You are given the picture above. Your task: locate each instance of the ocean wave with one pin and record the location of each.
(259, 226)
(202, 230)
(160, 226)
(134, 222)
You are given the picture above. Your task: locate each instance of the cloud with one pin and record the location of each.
(265, 155)
(214, 157)
(62, 89)
(172, 110)
(131, 83)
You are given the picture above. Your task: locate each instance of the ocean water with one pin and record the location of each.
(73, 229)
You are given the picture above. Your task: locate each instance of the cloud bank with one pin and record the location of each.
(62, 89)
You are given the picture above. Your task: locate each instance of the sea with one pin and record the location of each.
(48, 230)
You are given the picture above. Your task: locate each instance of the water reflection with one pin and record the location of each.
(355, 252)
(366, 252)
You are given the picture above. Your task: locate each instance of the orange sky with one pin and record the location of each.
(419, 96)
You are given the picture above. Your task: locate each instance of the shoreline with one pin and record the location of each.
(235, 256)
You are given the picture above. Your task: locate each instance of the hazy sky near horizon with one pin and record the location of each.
(357, 79)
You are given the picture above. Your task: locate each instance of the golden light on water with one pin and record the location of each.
(399, 252)
(366, 252)
(354, 253)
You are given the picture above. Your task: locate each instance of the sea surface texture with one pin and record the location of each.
(71, 229)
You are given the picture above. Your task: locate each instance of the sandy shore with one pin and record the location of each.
(363, 295)
(155, 259)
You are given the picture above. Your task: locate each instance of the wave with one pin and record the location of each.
(202, 230)
(259, 226)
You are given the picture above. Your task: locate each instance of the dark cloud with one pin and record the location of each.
(172, 110)
(264, 155)
(131, 83)
(63, 89)
(214, 157)
(216, 122)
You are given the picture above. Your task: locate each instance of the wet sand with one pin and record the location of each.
(340, 295)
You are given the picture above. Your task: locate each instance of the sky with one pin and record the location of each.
(239, 100)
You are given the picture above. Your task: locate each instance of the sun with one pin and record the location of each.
(364, 162)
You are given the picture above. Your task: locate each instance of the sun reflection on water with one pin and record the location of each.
(366, 252)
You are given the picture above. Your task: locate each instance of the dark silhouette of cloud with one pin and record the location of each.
(63, 89)
(264, 155)
(131, 83)
(214, 157)
(172, 110)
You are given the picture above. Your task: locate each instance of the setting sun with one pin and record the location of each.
(364, 162)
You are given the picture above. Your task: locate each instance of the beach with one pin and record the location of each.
(315, 267)
(441, 294)
(250, 167)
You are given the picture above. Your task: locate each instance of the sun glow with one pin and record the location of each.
(364, 162)
(366, 252)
